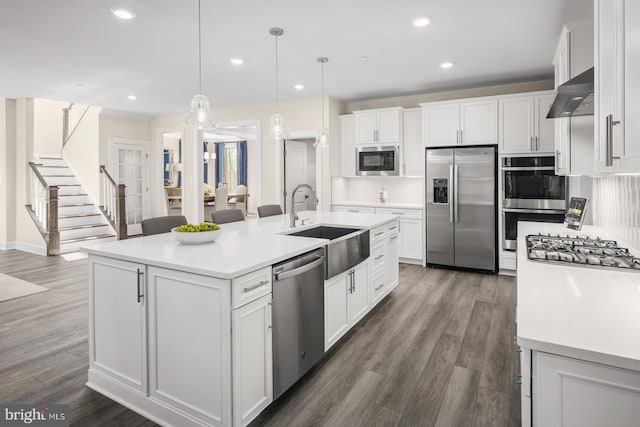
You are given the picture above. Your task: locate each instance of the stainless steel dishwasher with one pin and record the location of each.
(298, 318)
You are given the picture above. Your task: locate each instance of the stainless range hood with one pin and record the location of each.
(574, 98)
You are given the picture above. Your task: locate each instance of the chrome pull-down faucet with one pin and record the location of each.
(293, 216)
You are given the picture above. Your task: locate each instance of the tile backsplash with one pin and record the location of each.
(616, 206)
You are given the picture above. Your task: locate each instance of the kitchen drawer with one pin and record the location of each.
(250, 287)
(353, 209)
(377, 289)
(403, 213)
(393, 227)
(378, 234)
(377, 256)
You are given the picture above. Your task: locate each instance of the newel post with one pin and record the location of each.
(53, 243)
(121, 213)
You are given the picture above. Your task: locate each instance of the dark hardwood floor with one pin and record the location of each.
(437, 351)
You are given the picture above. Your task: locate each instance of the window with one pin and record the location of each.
(231, 166)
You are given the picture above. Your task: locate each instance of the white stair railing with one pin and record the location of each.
(44, 209)
(113, 202)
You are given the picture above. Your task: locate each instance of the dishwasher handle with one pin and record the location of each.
(300, 270)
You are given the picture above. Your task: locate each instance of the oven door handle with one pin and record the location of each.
(530, 168)
(536, 211)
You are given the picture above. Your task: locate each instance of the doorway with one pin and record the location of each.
(299, 168)
(128, 162)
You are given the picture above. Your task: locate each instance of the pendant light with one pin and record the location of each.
(276, 129)
(200, 115)
(323, 136)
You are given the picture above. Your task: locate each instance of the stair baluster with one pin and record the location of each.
(114, 203)
(44, 209)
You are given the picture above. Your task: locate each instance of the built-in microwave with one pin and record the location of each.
(378, 161)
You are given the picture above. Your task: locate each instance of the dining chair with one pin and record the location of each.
(227, 215)
(240, 202)
(222, 194)
(161, 224)
(269, 210)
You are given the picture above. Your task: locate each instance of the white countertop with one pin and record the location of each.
(587, 313)
(389, 205)
(243, 246)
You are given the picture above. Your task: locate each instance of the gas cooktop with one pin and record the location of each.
(581, 251)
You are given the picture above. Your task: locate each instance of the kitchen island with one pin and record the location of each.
(579, 333)
(181, 334)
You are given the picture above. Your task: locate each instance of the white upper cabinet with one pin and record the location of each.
(348, 144)
(413, 151)
(617, 127)
(379, 127)
(460, 123)
(562, 64)
(524, 127)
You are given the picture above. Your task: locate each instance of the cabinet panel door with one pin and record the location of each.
(545, 128)
(392, 264)
(441, 124)
(366, 127)
(359, 297)
(516, 125)
(630, 161)
(252, 360)
(336, 309)
(118, 320)
(573, 393)
(413, 151)
(479, 122)
(411, 238)
(348, 144)
(562, 127)
(389, 129)
(190, 316)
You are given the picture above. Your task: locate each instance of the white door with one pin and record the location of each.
(252, 360)
(118, 346)
(297, 167)
(366, 127)
(388, 127)
(479, 122)
(545, 128)
(336, 309)
(516, 125)
(129, 165)
(441, 124)
(562, 126)
(411, 238)
(359, 295)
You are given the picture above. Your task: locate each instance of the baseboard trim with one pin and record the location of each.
(7, 246)
(24, 247)
(411, 261)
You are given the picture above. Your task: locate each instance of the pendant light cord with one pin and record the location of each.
(277, 100)
(199, 50)
(322, 97)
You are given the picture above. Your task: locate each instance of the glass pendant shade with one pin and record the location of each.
(200, 116)
(276, 129)
(322, 139)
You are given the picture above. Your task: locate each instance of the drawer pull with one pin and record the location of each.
(250, 288)
(393, 228)
(397, 213)
(378, 234)
(378, 257)
(393, 238)
(353, 210)
(378, 288)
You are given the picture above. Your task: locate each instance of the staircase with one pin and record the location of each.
(80, 222)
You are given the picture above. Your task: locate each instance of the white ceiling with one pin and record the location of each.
(49, 47)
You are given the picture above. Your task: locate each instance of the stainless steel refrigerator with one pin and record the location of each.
(461, 207)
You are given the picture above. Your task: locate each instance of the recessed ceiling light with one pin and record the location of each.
(123, 14)
(446, 65)
(421, 22)
(132, 97)
(298, 87)
(237, 61)
(364, 58)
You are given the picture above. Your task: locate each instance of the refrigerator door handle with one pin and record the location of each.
(455, 192)
(450, 194)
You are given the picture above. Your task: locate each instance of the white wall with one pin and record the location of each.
(111, 126)
(48, 124)
(7, 173)
(365, 189)
(82, 152)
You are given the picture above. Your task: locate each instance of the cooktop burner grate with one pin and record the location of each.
(581, 251)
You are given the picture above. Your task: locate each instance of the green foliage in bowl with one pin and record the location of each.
(192, 228)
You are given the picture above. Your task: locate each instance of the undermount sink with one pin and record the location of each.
(324, 232)
(341, 254)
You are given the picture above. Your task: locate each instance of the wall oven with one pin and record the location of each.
(378, 161)
(531, 191)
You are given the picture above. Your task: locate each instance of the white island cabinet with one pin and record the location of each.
(577, 329)
(182, 334)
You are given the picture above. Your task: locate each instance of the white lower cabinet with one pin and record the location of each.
(189, 319)
(392, 265)
(377, 286)
(567, 392)
(118, 344)
(346, 301)
(252, 360)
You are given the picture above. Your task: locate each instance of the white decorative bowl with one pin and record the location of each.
(198, 238)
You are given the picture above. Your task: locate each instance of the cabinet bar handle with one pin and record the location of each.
(378, 257)
(393, 228)
(610, 123)
(393, 238)
(250, 288)
(353, 280)
(461, 138)
(270, 326)
(140, 295)
(379, 287)
(378, 234)
(537, 143)
(397, 213)
(353, 210)
(530, 143)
